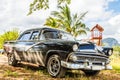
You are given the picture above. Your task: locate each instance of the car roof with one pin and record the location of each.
(45, 28)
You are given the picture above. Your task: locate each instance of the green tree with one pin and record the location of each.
(71, 23)
(43, 4)
(8, 36)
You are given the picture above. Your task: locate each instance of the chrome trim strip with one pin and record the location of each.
(94, 53)
(87, 56)
(89, 61)
(85, 66)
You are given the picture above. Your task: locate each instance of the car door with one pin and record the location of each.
(37, 51)
(22, 44)
(34, 50)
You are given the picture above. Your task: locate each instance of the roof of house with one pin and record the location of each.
(98, 27)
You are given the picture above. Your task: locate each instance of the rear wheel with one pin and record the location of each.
(54, 67)
(90, 72)
(11, 60)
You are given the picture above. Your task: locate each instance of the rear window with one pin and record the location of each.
(51, 35)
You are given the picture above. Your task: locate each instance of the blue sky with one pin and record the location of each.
(106, 13)
(115, 6)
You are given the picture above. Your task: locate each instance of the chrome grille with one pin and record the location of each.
(92, 59)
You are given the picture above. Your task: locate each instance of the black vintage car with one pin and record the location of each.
(57, 51)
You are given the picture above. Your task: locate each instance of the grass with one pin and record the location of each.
(115, 61)
(30, 72)
(10, 73)
(0, 54)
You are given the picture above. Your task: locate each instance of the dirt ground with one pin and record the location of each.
(25, 71)
(3, 60)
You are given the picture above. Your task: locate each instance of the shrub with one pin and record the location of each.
(8, 36)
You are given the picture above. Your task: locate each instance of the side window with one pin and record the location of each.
(35, 35)
(25, 36)
(42, 37)
(51, 35)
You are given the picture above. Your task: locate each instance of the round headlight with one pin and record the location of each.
(110, 52)
(73, 58)
(75, 47)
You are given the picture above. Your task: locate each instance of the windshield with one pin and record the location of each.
(58, 35)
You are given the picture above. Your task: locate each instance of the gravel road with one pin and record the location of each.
(3, 60)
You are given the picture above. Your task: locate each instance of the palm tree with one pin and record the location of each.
(70, 23)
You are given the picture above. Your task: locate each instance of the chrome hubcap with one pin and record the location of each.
(54, 66)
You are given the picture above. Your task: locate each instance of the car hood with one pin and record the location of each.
(60, 44)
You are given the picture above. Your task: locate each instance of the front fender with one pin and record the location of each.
(107, 49)
(63, 54)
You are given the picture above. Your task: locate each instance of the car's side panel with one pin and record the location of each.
(21, 47)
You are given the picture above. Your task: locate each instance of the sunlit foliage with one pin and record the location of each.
(67, 21)
(43, 4)
(117, 48)
(8, 36)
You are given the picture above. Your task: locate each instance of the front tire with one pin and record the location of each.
(54, 67)
(11, 59)
(90, 72)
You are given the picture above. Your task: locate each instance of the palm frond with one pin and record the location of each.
(83, 15)
(65, 20)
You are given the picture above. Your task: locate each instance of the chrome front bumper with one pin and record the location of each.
(85, 66)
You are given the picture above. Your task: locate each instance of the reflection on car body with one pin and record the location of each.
(57, 51)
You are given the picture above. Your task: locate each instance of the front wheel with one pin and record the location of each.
(54, 67)
(11, 59)
(90, 72)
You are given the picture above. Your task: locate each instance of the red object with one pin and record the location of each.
(96, 34)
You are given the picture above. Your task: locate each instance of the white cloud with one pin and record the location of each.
(98, 13)
(115, 21)
(14, 14)
(96, 9)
